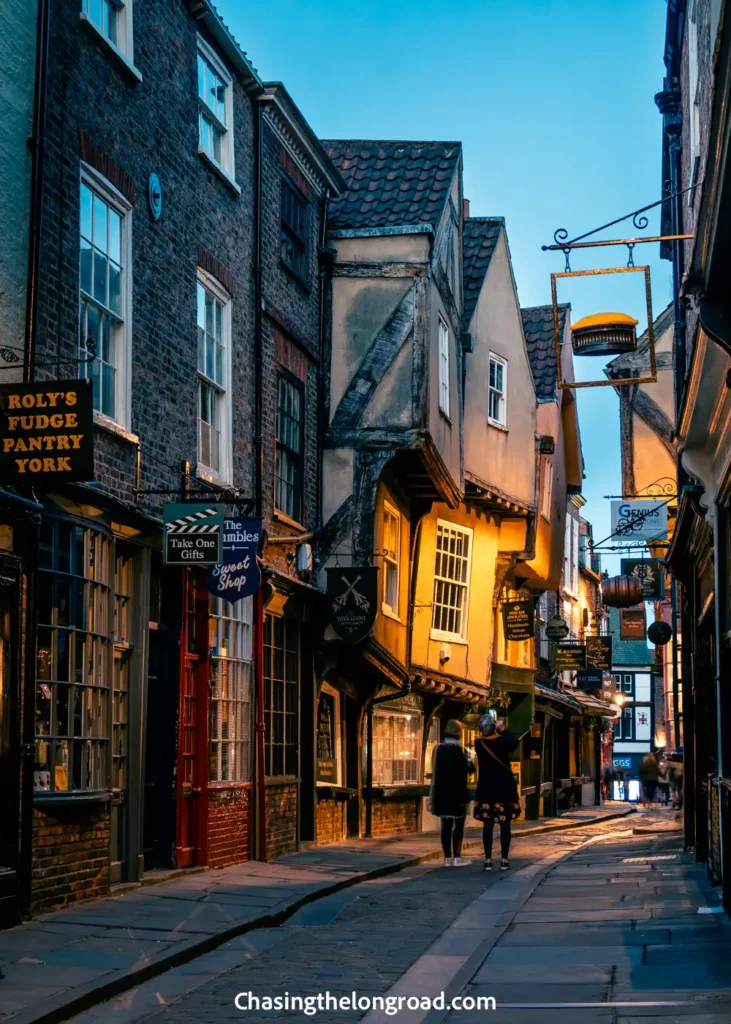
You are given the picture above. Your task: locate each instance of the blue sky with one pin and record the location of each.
(553, 102)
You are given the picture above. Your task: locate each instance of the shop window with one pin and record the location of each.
(75, 635)
(328, 736)
(432, 741)
(288, 469)
(396, 748)
(391, 558)
(229, 690)
(451, 582)
(281, 696)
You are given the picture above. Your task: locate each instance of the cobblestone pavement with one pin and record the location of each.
(418, 932)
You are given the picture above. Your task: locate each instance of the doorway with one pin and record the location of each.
(10, 576)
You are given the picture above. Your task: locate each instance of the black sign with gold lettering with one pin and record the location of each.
(46, 432)
(569, 657)
(518, 620)
(598, 661)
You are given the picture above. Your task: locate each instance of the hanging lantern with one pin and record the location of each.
(621, 591)
(604, 334)
(659, 633)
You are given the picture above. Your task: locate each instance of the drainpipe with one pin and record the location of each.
(369, 755)
(260, 817)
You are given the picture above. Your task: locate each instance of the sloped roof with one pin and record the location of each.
(390, 184)
(480, 238)
(539, 339)
(627, 652)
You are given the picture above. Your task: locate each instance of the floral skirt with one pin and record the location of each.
(492, 810)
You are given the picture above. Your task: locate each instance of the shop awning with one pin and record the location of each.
(596, 706)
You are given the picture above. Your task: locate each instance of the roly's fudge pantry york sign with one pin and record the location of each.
(46, 432)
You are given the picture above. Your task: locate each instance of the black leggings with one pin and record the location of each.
(504, 839)
(452, 840)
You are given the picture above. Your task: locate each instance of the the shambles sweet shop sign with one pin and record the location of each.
(46, 432)
(238, 573)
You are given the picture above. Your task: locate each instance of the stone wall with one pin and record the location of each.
(70, 855)
(229, 825)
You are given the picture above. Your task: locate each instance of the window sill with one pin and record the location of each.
(445, 416)
(497, 426)
(220, 171)
(398, 791)
(282, 780)
(218, 786)
(447, 638)
(212, 478)
(544, 516)
(282, 517)
(112, 427)
(389, 613)
(97, 796)
(295, 276)
(123, 62)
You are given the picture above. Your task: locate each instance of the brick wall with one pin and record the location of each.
(330, 820)
(70, 855)
(281, 819)
(229, 826)
(393, 817)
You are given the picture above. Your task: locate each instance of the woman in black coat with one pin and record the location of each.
(497, 792)
(451, 766)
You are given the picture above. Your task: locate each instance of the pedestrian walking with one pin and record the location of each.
(449, 797)
(649, 777)
(675, 776)
(608, 776)
(497, 792)
(663, 782)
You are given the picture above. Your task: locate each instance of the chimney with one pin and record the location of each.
(465, 209)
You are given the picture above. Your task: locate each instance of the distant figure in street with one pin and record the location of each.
(649, 777)
(608, 776)
(497, 791)
(449, 797)
(663, 782)
(675, 777)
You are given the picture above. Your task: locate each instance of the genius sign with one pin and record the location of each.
(46, 432)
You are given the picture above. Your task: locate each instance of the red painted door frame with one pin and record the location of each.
(191, 789)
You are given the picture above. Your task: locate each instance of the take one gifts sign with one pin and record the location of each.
(237, 574)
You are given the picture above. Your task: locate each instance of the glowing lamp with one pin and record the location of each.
(604, 334)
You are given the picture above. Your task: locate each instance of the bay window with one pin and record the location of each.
(396, 748)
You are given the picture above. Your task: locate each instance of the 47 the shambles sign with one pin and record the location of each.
(46, 432)
(518, 620)
(238, 574)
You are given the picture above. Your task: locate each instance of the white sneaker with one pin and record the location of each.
(461, 862)
(448, 862)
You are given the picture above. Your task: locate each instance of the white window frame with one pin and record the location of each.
(439, 634)
(693, 104)
(227, 163)
(444, 357)
(123, 45)
(335, 694)
(547, 489)
(502, 420)
(391, 561)
(225, 474)
(123, 366)
(378, 780)
(240, 613)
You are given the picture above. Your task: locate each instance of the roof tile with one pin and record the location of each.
(539, 339)
(480, 238)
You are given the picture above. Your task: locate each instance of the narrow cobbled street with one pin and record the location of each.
(598, 923)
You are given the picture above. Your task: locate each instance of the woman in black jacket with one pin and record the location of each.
(449, 797)
(497, 792)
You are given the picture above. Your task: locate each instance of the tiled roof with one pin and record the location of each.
(390, 184)
(627, 652)
(480, 238)
(538, 329)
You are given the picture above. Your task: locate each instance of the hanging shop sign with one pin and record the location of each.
(238, 573)
(535, 743)
(192, 533)
(352, 601)
(632, 623)
(557, 629)
(650, 573)
(518, 620)
(46, 432)
(598, 662)
(640, 519)
(569, 657)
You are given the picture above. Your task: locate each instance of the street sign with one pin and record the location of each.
(640, 519)
(556, 629)
(238, 573)
(192, 533)
(651, 574)
(46, 432)
(518, 620)
(569, 657)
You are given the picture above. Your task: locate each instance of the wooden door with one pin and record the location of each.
(191, 788)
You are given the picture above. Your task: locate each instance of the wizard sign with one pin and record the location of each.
(352, 599)
(238, 573)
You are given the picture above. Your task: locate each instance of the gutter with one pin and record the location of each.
(204, 12)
